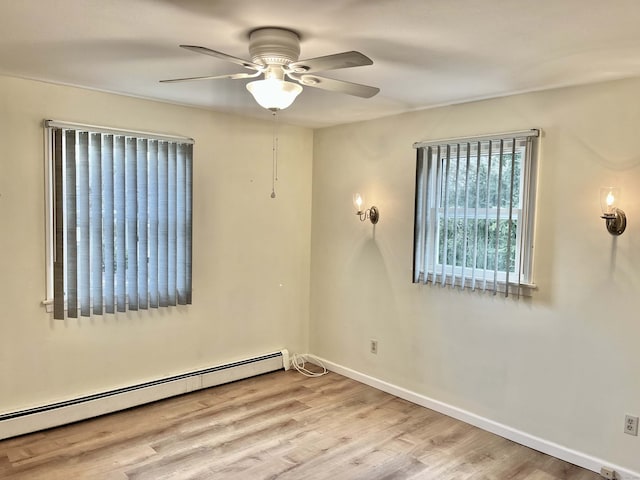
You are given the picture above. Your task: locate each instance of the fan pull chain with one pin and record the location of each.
(274, 166)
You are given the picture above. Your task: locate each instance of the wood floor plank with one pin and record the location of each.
(277, 426)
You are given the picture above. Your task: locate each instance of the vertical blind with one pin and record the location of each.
(472, 211)
(122, 220)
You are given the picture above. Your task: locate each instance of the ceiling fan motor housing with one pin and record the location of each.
(274, 46)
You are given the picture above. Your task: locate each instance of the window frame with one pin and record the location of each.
(428, 226)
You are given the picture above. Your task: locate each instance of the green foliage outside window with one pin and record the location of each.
(476, 190)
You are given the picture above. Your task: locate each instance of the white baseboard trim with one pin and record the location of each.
(540, 444)
(31, 420)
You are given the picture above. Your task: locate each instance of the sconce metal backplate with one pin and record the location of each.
(616, 222)
(374, 215)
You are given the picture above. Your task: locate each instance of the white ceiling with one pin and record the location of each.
(426, 52)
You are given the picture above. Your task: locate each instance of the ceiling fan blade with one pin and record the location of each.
(223, 56)
(233, 76)
(330, 62)
(364, 91)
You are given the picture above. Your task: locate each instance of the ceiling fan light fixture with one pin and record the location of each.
(274, 94)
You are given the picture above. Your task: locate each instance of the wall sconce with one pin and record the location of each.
(371, 213)
(615, 218)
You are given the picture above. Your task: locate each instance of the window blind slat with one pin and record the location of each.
(119, 201)
(464, 215)
(83, 213)
(188, 219)
(163, 225)
(419, 230)
(510, 225)
(131, 212)
(108, 222)
(486, 222)
(172, 224)
(153, 223)
(477, 219)
(455, 218)
(419, 213)
(181, 225)
(95, 240)
(143, 221)
(498, 203)
(428, 197)
(71, 244)
(58, 225)
(435, 221)
(445, 230)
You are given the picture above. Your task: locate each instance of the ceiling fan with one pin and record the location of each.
(274, 53)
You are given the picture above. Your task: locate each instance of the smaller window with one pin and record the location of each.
(474, 213)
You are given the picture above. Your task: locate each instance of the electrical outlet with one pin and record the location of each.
(373, 347)
(606, 472)
(631, 425)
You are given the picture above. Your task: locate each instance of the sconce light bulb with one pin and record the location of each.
(610, 199)
(358, 201)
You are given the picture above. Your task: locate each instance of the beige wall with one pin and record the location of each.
(563, 365)
(251, 253)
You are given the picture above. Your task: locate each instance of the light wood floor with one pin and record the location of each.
(277, 426)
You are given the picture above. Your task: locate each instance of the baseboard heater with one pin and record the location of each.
(69, 411)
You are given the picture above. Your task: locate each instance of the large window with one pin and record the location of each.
(474, 212)
(120, 230)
